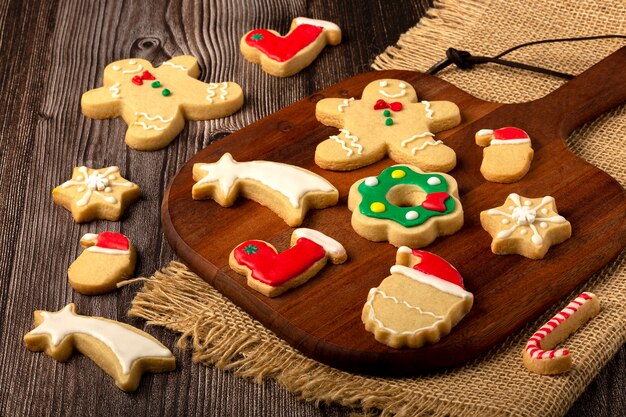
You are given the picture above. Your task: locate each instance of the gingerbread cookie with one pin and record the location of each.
(108, 258)
(272, 273)
(538, 356)
(507, 155)
(287, 190)
(283, 56)
(526, 226)
(387, 120)
(121, 350)
(96, 194)
(155, 102)
(418, 303)
(405, 207)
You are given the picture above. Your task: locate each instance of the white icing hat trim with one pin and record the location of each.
(431, 280)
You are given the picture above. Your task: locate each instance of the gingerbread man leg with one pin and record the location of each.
(149, 132)
(346, 151)
(424, 151)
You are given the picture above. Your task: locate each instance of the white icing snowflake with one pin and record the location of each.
(96, 182)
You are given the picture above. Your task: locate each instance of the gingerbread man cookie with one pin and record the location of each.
(507, 155)
(155, 102)
(108, 258)
(387, 120)
(405, 207)
(283, 56)
(418, 303)
(538, 356)
(272, 273)
(96, 194)
(121, 350)
(287, 190)
(526, 226)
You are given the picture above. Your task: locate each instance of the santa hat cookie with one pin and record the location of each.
(507, 155)
(419, 303)
(108, 258)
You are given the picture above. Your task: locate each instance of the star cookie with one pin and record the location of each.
(96, 194)
(387, 120)
(155, 102)
(525, 226)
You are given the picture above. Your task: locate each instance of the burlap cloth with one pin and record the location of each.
(496, 383)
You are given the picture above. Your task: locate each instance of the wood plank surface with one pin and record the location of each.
(53, 51)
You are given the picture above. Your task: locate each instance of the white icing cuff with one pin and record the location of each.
(330, 245)
(431, 280)
(316, 22)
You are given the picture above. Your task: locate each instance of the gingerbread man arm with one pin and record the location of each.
(331, 111)
(186, 63)
(103, 102)
(444, 115)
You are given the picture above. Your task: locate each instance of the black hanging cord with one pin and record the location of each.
(465, 60)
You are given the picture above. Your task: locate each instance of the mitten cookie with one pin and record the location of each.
(418, 303)
(287, 190)
(155, 102)
(507, 155)
(283, 56)
(537, 355)
(405, 207)
(387, 120)
(526, 226)
(96, 194)
(272, 273)
(108, 258)
(122, 351)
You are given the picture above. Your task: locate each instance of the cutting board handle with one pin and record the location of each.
(582, 99)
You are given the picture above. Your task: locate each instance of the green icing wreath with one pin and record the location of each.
(374, 191)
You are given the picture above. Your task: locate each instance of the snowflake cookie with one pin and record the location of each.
(419, 303)
(96, 194)
(405, 206)
(525, 226)
(155, 102)
(387, 120)
(283, 56)
(507, 155)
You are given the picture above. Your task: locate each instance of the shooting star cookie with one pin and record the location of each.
(122, 351)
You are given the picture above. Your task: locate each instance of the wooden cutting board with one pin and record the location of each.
(322, 318)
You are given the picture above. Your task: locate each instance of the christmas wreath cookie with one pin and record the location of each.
(387, 120)
(405, 206)
(525, 226)
(108, 258)
(155, 102)
(283, 56)
(507, 155)
(419, 303)
(272, 273)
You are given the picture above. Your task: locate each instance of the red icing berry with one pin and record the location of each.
(112, 240)
(137, 80)
(432, 264)
(436, 201)
(147, 76)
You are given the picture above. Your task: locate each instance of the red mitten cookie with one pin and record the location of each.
(507, 155)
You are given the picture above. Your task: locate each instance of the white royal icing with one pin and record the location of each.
(412, 138)
(152, 118)
(424, 145)
(411, 215)
(138, 68)
(353, 142)
(484, 132)
(115, 90)
(433, 181)
(345, 104)
(127, 345)
(386, 94)
(95, 183)
(330, 245)
(508, 141)
(92, 237)
(171, 64)
(292, 182)
(371, 181)
(431, 280)
(316, 22)
(429, 111)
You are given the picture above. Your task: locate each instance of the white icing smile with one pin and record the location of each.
(384, 84)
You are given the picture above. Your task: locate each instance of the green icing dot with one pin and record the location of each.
(166, 92)
(386, 113)
(389, 122)
(257, 37)
(391, 177)
(156, 84)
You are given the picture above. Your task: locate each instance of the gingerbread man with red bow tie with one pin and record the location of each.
(387, 120)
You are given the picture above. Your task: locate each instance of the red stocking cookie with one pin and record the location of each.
(272, 273)
(108, 258)
(507, 155)
(538, 356)
(283, 56)
(418, 303)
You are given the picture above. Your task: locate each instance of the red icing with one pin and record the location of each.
(436, 201)
(432, 264)
(283, 48)
(508, 133)
(137, 80)
(147, 76)
(382, 104)
(112, 240)
(275, 269)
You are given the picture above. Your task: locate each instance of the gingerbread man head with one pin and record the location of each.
(389, 90)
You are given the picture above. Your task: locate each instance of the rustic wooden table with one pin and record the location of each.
(51, 52)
